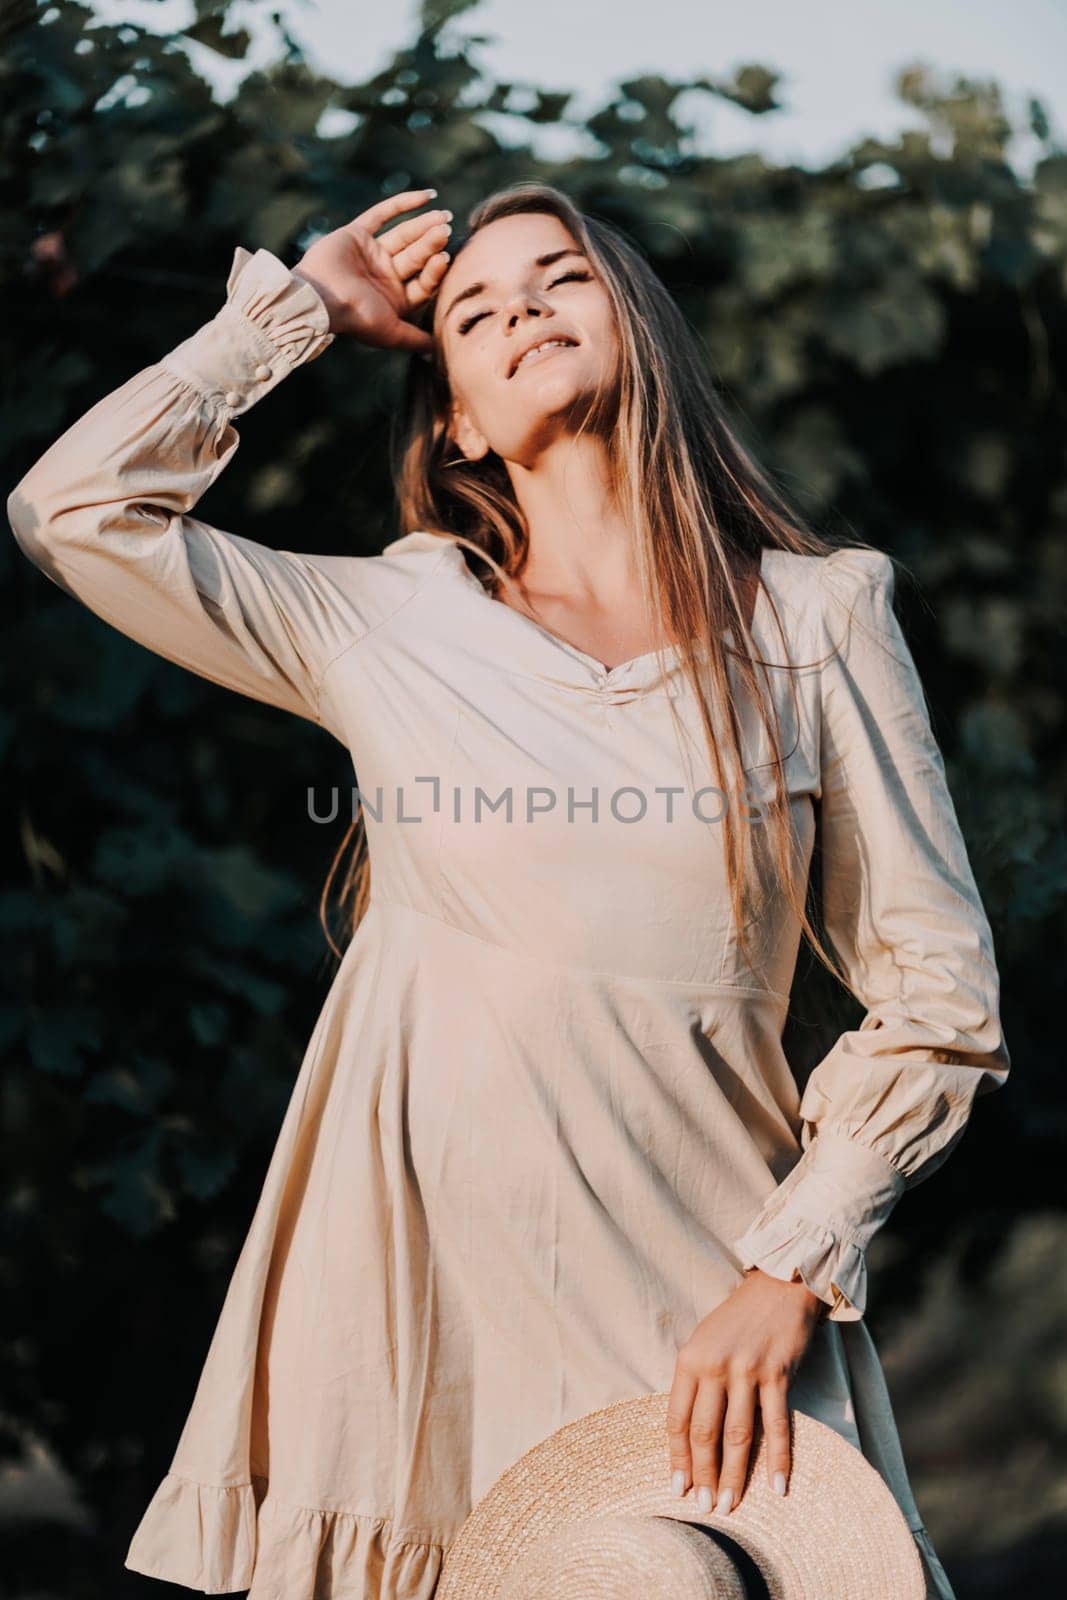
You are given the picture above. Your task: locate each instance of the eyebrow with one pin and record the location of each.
(542, 261)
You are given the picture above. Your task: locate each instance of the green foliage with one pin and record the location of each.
(890, 330)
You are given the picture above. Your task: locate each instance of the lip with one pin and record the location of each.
(544, 339)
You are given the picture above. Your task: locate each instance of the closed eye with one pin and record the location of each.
(576, 274)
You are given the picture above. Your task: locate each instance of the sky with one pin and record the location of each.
(837, 58)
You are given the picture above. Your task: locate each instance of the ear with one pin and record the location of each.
(472, 444)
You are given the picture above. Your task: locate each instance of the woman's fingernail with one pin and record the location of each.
(704, 1497)
(678, 1482)
(726, 1500)
(430, 193)
(779, 1483)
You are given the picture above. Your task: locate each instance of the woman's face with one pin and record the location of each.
(519, 281)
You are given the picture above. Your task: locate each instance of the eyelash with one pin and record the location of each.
(576, 274)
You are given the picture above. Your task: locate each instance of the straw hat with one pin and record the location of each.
(588, 1514)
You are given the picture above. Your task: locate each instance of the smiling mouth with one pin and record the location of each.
(546, 348)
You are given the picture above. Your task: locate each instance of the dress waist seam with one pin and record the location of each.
(737, 991)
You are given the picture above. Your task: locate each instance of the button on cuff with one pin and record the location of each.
(262, 373)
(233, 398)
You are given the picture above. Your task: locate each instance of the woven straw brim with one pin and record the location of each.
(619, 1558)
(837, 1534)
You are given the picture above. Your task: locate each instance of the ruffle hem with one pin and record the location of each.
(220, 1539)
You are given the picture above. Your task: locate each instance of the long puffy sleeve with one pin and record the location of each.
(889, 1102)
(105, 511)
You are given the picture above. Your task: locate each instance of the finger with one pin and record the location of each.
(705, 1439)
(398, 239)
(736, 1442)
(406, 336)
(679, 1405)
(384, 211)
(774, 1414)
(428, 281)
(414, 257)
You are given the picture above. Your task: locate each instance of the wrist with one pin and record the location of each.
(816, 1307)
(328, 299)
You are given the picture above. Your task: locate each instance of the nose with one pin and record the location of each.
(523, 305)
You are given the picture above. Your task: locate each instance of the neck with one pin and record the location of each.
(580, 545)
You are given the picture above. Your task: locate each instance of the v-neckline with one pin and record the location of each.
(603, 674)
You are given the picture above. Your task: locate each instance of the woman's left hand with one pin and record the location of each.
(744, 1353)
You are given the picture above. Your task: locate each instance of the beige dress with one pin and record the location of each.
(545, 1118)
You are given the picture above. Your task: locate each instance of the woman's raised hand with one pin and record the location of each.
(372, 285)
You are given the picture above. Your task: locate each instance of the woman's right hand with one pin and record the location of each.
(371, 286)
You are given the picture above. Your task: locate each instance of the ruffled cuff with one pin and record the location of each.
(198, 1534)
(818, 1222)
(272, 322)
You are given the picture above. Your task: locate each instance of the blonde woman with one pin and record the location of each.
(605, 697)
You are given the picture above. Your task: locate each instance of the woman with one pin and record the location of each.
(545, 1150)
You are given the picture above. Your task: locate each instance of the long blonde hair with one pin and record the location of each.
(701, 509)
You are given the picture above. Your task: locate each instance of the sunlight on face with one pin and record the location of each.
(520, 280)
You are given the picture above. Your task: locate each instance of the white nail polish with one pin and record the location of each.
(779, 1483)
(678, 1482)
(726, 1500)
(704, 1497)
